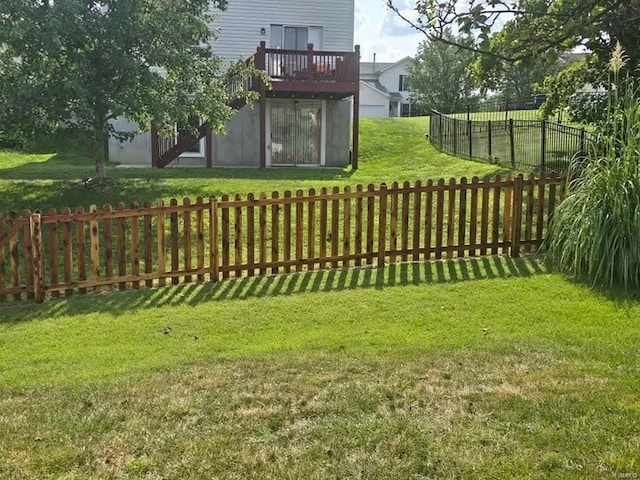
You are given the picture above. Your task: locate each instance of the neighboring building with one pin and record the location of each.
(306, 47)
(384, 91)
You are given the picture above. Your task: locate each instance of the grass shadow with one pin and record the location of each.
(247, 288)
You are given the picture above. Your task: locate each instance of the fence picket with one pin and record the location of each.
(135, 247)
(108, 245)
(27, 252)
(311, 227)
(335, 221)
(346, 232)
(462, 217)
(275, 233)
(370, 220)
(451, 217)
(225, 238)
(82, 250)
(148, 243)
(358, 226)
(507, 206)
(251, 236)
(484, 222)
(428, 219)
(299, 230)
(53, 253)
(94, 242)
(161, 243)
(529, 218)
(237, 238)
(439, 218)
(404, 221)
(286, 232)
(3, 297)
(416, 221)
(187, 237)
(382, 225)
(174, 233)
(473, 217)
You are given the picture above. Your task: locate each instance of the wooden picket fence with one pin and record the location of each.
(74, 251)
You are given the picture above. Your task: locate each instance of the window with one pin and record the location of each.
(403, 84)
(295, 38)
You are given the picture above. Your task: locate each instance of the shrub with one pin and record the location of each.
(595, 233)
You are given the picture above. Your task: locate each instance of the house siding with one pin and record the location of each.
(390, 77)
(239, 28)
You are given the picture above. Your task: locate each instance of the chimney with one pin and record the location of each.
(374, 62)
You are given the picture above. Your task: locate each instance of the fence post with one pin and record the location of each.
(489, 139)
(517, 216)
(37, 256)
(455, 136)
(470, 139)
(582, 138)
(543, 142)
(512, 143)
(214, 262)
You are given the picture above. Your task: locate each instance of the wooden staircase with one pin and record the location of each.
(166, 150)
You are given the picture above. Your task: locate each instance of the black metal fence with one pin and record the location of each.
(534, 144)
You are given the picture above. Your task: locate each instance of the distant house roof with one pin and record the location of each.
(376, 68)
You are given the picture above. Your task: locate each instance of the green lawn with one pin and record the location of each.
(391, 150)
(471, 369)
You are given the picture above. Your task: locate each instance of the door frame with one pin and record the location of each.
(323, 129)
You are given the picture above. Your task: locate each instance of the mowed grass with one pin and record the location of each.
(489, 368)
(390, 150)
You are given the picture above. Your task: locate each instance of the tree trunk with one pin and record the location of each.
(101, 168)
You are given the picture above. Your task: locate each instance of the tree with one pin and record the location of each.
(439, 77)
(517, 31)
(83, 63)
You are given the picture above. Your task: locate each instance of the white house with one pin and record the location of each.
(384, 90)
(306, 48)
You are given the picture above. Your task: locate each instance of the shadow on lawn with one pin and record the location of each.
(394, 275)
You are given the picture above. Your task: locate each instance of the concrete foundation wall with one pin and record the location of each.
(338, 133)
(239, 147)
(134, 153)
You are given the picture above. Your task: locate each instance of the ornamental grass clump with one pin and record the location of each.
(595, 233)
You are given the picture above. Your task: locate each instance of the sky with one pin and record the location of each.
(382, 32)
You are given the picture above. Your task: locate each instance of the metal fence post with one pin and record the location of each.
(512, 143)
(489, 139)
(543, 143)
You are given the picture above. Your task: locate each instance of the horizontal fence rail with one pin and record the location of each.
(74, 251)
(536, 144)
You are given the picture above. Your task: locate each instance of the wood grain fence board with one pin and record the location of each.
(417, 202)
(251, 248)
(107, 233)
(495, 216)
(94, 248)
(552, 201)
(262, 221)
(323, 228)
(382, 225)
(311, 225)
(135, 246)
(335, 222)
(473, 217)
(275, 233)
(226, 239)
(517, 216)
(214, 237)
(28, 252)
(462, 217)
(38, 257)
(299, 230)
(237, 239)
(286, 231)
(404, 220)
(3, 253)
(174, 240)
(161, 243)
(529, 214)
(393, 222)
(346, 231)
(540, 216)
(81, 248)
(439, 219)
(370, 222)
(187, 238)
(358, 225)
(451, 214)
(428, 219)
(122, 246)
(52, 228)
(506, 207)
(148, 242)
(484, 218)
